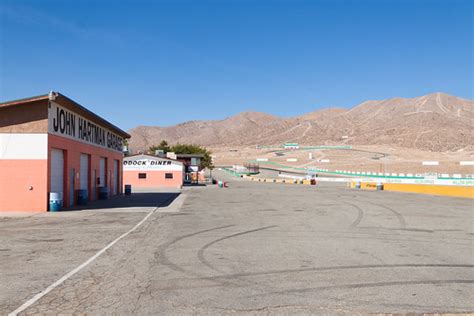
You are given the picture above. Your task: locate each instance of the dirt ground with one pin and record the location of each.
(359, 158)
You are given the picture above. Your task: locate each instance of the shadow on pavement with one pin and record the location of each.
(148, 199)
(194, 184)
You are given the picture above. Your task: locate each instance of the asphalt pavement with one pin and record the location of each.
(252, 248)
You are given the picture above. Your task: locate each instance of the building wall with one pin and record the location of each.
(72, 152)
(155, 169)
(31, 118)
(154, 179)
(27, 139)
(23, 172)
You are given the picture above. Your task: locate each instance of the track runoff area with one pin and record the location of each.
(454, 185)
(249, 248)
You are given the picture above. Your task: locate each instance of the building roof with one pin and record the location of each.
(143, 156)
(60, 98)
(190, 155)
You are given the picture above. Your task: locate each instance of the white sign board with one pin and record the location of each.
(151, 164)
(65, 123)
(467, 163)
(430, 163)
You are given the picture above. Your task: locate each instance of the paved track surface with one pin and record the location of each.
(254, 248)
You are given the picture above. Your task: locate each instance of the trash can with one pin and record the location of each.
(128, 189)
(82, 197)
(103, 193)
(379, 186)
(55, 201)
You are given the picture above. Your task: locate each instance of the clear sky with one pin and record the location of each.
(165, 62)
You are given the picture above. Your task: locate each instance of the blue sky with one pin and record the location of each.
(165, 62)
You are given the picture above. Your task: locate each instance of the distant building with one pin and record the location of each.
(152, 172)
(193, 166)
(192, 162)
(291, 146)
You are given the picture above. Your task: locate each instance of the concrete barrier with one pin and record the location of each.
(444, 190)
(300, 181)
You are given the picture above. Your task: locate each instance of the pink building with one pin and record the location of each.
(51, 144)
(145, 172)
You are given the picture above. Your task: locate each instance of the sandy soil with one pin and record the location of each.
(359, 158)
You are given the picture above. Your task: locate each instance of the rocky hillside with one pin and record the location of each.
(434, 122)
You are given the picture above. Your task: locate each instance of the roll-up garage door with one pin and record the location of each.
(116, 179)
(94, 184)
(102, 172)
(84, 173)
(57, 170)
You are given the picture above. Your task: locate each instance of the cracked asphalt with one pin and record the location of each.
(253, 248)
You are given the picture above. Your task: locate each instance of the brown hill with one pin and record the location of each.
(435, 122)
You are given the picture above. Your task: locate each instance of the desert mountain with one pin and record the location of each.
(435, 122)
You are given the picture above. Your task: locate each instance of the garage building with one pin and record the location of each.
(146, 172)
(51, 144)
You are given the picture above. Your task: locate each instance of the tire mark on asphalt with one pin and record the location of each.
(370, 285)
(353, 267)
(161, 256)
(401, 220)
(206, 246)
(360, 214)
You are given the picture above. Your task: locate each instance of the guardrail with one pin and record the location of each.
(282, 181)
(456, 177)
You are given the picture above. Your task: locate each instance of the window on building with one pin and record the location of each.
(142, 176)
(168, 176)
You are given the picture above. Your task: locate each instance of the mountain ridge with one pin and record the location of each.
(405, 122)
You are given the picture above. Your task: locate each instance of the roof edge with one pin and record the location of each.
(24, 100)
(46, 97)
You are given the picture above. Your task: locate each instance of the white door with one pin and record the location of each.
(102, 172)
(94, 184)
(116, 179)
(57, 170)
(84, 172)
(72, 176)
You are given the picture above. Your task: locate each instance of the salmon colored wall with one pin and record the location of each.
(154, 179)
(72, 157)
(15, 178)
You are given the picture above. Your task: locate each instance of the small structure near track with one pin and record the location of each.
(291, 146)
(148, 172)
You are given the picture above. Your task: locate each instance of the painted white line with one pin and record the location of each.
(38, 296)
